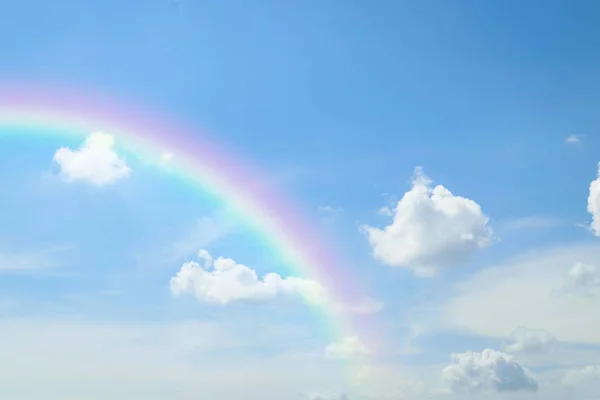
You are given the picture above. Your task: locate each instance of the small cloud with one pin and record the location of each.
(229, 282)
(574, 139)
(349, 347)
(164, 159)
(489, 370)
(95, 161)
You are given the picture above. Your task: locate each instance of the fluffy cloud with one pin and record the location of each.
(95, 162)
(431, 228)
(349, 347)
(530, 341)
(223, 281)
(593, 206)
(488, 370)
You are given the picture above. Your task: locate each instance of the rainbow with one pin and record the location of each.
(200, 162)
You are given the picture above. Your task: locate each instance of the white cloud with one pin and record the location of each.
(530, 341)
(431, 229)
(583, 277)
(526, 291)
(95, 162)
(574, 139)
(593, 206)
(229, 282)
(488, 370)
(165, 158)
(349, 347)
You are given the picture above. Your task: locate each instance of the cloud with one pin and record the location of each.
(95, 162)
(165, 158)
(530, 222)
(488, 370)
(150, 360)
(431, 229)
(349, 347)
(583, 277)
(586, 379)
(205, 231)
(530, 341)
(229, 282)
(34, 260)
(330, 396)
(527, 290)
(386, 382)
(593, 206)
(574, 139)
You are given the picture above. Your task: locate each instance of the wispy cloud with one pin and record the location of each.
(529, 222)
(31, 261)
(574, 139)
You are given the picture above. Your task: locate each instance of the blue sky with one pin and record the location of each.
(341, 101)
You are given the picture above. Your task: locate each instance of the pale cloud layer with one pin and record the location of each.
(431, 229)
(70, 359)
(530, 341)
(489, 370)
(95, 162)
(224, 281)
(349, 347)
(528, 291)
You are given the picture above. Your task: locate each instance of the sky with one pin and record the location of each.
(445, 152)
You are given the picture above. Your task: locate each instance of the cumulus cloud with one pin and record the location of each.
(593, 205)
(224, 281)
(488, 370)
(95, 161)
(431, 228)
(530, 341)
(349, 347)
